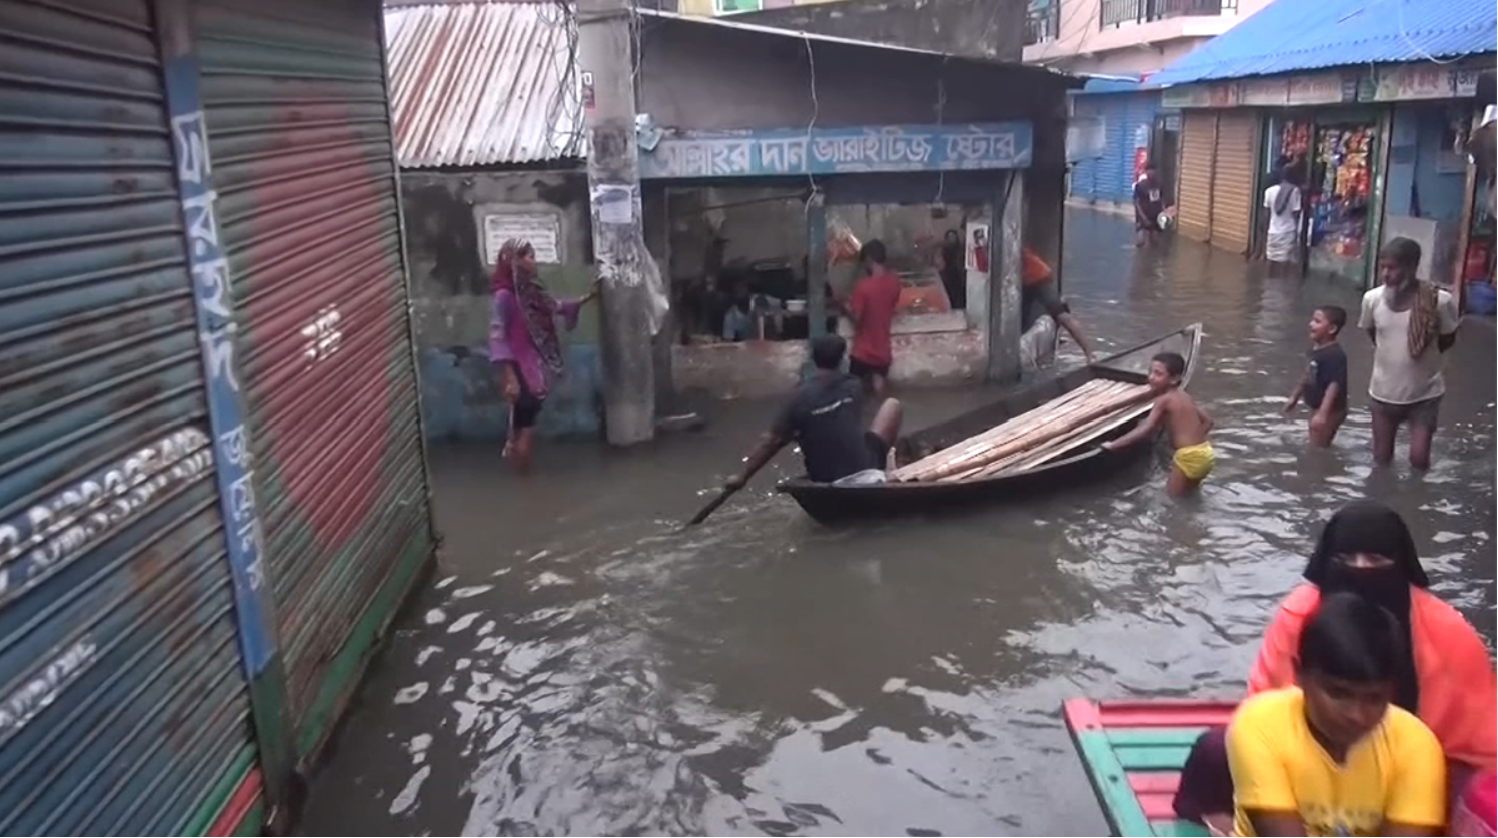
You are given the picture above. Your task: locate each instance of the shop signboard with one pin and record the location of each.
(1223, 95)
(1264, 93)
(821, 151)
(1418, 81)
(1321, 89)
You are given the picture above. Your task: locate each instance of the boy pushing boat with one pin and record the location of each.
(1187, 424)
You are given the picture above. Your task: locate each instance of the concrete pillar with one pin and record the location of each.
(816, 266)
(1004, 265)
(606, 60)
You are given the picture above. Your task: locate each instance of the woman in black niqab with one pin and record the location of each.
(1367, 549)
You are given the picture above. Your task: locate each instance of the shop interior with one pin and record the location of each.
(738, 261)
(1341, 177)
(1331, 159)
(1478, 262)
(1426, 189)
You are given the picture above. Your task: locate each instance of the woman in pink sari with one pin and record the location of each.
(523, 342)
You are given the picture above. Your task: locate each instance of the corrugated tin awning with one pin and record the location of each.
(1294, 35)
(476, 84)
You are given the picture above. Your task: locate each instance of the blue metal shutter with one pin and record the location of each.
(1084, 175)
(1113, 179)
(299, 135)
(123, 705)
(1130, 118)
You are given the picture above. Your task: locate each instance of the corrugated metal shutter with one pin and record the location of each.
(1127, 120)
(1233, 180)
(1084, 175)
(123, 704)
(300, 140)
(1194, 206)
(1113, 179)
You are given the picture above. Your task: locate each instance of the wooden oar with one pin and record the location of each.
(712, 506)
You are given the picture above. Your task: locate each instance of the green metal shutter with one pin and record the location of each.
(123, 705)
(299, 136)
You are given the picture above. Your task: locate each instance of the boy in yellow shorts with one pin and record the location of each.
(1187, 424)
(1334, 756)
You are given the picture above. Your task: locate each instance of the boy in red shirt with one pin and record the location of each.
(871, 307)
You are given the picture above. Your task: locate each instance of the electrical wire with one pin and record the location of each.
(941, 111)
(816, 112)
(565, 107)
(1062, 26)
(1419, 50)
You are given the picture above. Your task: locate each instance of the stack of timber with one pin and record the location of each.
(1035, 437)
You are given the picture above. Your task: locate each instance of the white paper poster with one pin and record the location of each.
(616, 204)
(541, 229)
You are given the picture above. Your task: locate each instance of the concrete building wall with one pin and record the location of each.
(713, 8)
(982, 28)
(451, 301)
(1084, 45)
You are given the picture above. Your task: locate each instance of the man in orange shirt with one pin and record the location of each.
(1036, 288)
(872, 307)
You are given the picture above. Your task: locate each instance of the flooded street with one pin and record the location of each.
(577, 667)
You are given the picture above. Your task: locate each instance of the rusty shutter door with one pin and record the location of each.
(1233, 180)
(299, 133)
(1194, 206)
(123, 704)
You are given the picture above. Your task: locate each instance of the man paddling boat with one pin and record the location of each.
(825, 418)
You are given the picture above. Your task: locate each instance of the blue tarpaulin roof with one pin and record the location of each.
(1111, 84)
(1293, 35)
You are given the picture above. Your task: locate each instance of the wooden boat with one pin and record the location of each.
(1133, 752)
(1065, 454)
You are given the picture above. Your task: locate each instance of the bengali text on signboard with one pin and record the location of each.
(904, 148)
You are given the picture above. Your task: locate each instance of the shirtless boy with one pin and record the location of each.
(1187, 424)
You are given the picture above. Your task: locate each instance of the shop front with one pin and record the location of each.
(1427, 188)
(1433, 193)
(1331, 155)
(760, 231)
(1218, 148)
(1378, 153)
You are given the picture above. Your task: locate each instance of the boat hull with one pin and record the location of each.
(831, 504)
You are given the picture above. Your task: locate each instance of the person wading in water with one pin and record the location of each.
(1412, 324)
(523, 342)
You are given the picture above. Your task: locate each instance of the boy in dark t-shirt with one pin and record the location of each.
(825, 418)
(1149, 203)
(1323, 386)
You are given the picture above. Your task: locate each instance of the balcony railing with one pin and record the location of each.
(1119, 12)
(1043, 24)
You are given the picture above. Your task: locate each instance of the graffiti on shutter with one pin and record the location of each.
(300, 141)
(123, 702)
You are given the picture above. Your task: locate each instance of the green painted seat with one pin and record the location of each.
(1133, 752)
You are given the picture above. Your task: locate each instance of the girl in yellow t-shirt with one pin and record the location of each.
(1334, 756)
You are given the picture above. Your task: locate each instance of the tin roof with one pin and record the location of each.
(481, 83)
(728, 22)
(1291, 35)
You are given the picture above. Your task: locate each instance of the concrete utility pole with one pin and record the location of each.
(606, 61)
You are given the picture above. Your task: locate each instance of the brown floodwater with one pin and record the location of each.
(577, 666)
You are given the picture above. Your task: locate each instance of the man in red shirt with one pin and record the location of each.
(871, 307)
